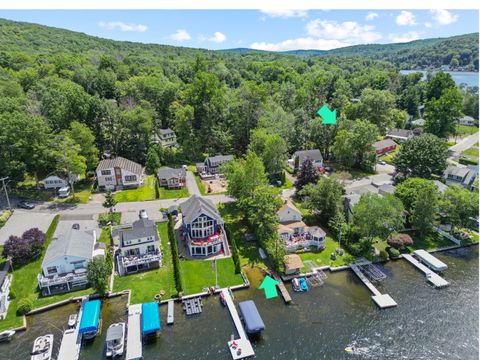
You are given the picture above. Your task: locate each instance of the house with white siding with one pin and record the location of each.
(119, 173)
(5, 282)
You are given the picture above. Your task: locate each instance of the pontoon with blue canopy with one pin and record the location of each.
(150, 318)
(251, 318)
(90, 317)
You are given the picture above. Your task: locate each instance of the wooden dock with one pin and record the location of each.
(432, 276)
(71, 341)
(281, 286)
(239, 348)
(193, 306)
(134, 337)
(170, 308)
(382, 300)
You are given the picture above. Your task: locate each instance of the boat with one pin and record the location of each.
(72, 320)
(296, 285)
(42, 348)
(115, 339)
(303, 284)
(6, 335)
(90, 322)
(222, 299)
(252, 320)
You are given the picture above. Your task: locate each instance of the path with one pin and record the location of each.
(465, 143)
(192, 184)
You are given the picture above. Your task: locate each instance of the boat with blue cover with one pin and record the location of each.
(303, 284)
(150, 318)
(90, 322)
(251, 318)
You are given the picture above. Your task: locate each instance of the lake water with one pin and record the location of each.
(428, 323)
(460, 77)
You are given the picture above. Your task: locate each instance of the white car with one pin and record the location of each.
(381, 162)
(143, 214)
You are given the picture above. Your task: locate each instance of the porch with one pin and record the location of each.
(134, 263)
(57, 284)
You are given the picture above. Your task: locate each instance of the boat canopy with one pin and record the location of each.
(251, 318)
(115, 332)
(150, 318)
(431, 260)
(90, 316)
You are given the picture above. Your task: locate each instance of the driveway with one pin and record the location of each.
(22, 220)
(192, 184)
(465, 143)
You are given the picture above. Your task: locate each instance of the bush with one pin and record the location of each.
(4, 217)
(12, 295)
(24, 306)
(359, 248)
(399, 241)
(393, 252)
(25, 248)
(175, 257)
(235, 257)
(113, 217)
(383, 255)
(465, 161)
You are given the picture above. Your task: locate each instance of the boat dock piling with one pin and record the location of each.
(71, 341)
(193, 306)
(239, 348)
(170, 308)
(382, 300)
(432, 277)
(134, 337)
(281, 286)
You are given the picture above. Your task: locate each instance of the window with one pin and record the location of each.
(109, 178)
(77, 265)
(52, 270)
(106, 172)
(202, 227)
(130, 177)
(151, 248)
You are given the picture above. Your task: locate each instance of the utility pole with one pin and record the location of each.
(5, 189)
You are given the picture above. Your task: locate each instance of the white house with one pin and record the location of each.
(467, 120)
(57, 182)
(64, 267)
(139, 247)
(5, 282)
(166, 137)
(119, 173)
(314, 155)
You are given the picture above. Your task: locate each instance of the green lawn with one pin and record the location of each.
(146, 284)
(473, 152)
(466, 130)
(173, 193)
(200, 185)
(322, 258)
(198, 274)
(142, 193)
(388, 158)
(429, 242)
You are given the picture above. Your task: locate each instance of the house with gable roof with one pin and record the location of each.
(119, 173)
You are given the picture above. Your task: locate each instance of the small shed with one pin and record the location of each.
(150, 318)
(293, 264)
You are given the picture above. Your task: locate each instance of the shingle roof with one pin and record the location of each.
(166, 172)
(72, 243)
(196, 206)
(292, 261)
(457, 171)
(140, 229)
(314, 155)
(382, 144)
(219, 158)
(166, 131)
(288, 204)
(400, 133)
(122, 163)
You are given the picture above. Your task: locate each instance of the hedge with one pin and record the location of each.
(175, 257)
(233, 246)
(4, 217)
(466, 161)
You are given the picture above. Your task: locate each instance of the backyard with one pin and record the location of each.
(466, 130)
(172, 193)
(473, 151)
(142, 193)
(145, 285)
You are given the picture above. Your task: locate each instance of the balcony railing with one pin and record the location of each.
(63, 279)
(132, 260)
(211, 240)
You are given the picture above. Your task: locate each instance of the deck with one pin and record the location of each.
(432, 277)
(382, 300)
(239, 348)
(71, 341)
(170, 308)
(281, 286)
(134, 337)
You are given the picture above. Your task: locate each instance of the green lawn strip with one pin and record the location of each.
(142, 193)
(200, 185)
(24, 282)
(173, 193)
(198, 274)
(473, 152)
(428, 242)
(146, 284)
(5, 215)
(322, 257)
(466, 130)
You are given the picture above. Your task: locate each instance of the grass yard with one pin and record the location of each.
(428, 242)
(322, 258)
(466, 130)
(146, 284)
(198, 274)
(200, 185)
(142, 193)
(172, 193)
(473, 152)
(388, 158)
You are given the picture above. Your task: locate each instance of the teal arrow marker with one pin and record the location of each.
(328, 116)
(269, 285)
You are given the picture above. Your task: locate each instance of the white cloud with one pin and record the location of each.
(428, 24)
(218, 37)
(405, 37)
(306, 43)
(370, 16)
(118, 25)
(285, 13)
(180, 35)
(444, 17)
(350, 31)
(406, 18)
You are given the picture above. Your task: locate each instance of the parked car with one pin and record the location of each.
(76, 226)
(382, 162)
(24, 204)
(143, 214)
(64, 192)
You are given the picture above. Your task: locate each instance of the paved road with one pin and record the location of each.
(465, 143)
(192, 184)
(22, 220)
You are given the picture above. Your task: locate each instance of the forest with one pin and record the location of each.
(66, 98)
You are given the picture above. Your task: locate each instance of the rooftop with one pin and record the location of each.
(166, 172)
(196, 206)
(72, 243)
(292, 261)
(122, 163)
(313, 154)
(400, 133)
(382, 144)
(140, 229)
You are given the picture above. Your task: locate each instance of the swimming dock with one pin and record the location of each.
(239, 348)
(281, 286)
(382, 300)
(71, 341)
(134, 338)
(170, 307)
(193, 306)
(432, 277)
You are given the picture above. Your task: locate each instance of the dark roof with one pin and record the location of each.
(314, 155)
(72, 243)
(166, 172)
(140, 229)
(404, 133)
(122, 163)
(456, 171)
(382, 144)
(196, 206)
(219, 158)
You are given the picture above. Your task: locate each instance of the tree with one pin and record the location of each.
(400, 241)
(377, 106)
(422, 156)
(25, 248)
(308, 174)
(152, 161)
(84, 138)
(110, 201)
(375, 216)
(441, 114)
(438, 84)
(98, 273)
(408, 191)
(424, 213)
(459, 205)
(324, 197)
(272, 149)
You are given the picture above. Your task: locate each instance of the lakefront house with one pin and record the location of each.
(203, 228)
(119, 173)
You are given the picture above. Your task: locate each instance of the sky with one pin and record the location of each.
(275, 30)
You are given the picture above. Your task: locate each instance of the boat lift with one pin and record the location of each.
(373, 272)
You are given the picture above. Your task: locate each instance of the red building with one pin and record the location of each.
(384, 146)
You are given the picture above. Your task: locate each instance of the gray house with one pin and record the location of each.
(314, 155)
(464, 176)
(211, 165)
(171, 178)
(400, 135)
(166, 137)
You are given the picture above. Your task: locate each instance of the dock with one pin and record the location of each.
(71, 341)
(193, 306)
(432, 277)
(170, 308)
(134, 337)
(240, 348)
(281, 286)
(382, 300)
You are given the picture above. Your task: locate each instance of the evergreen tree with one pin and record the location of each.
(152, 161)
(110, 201)
(308, 174)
